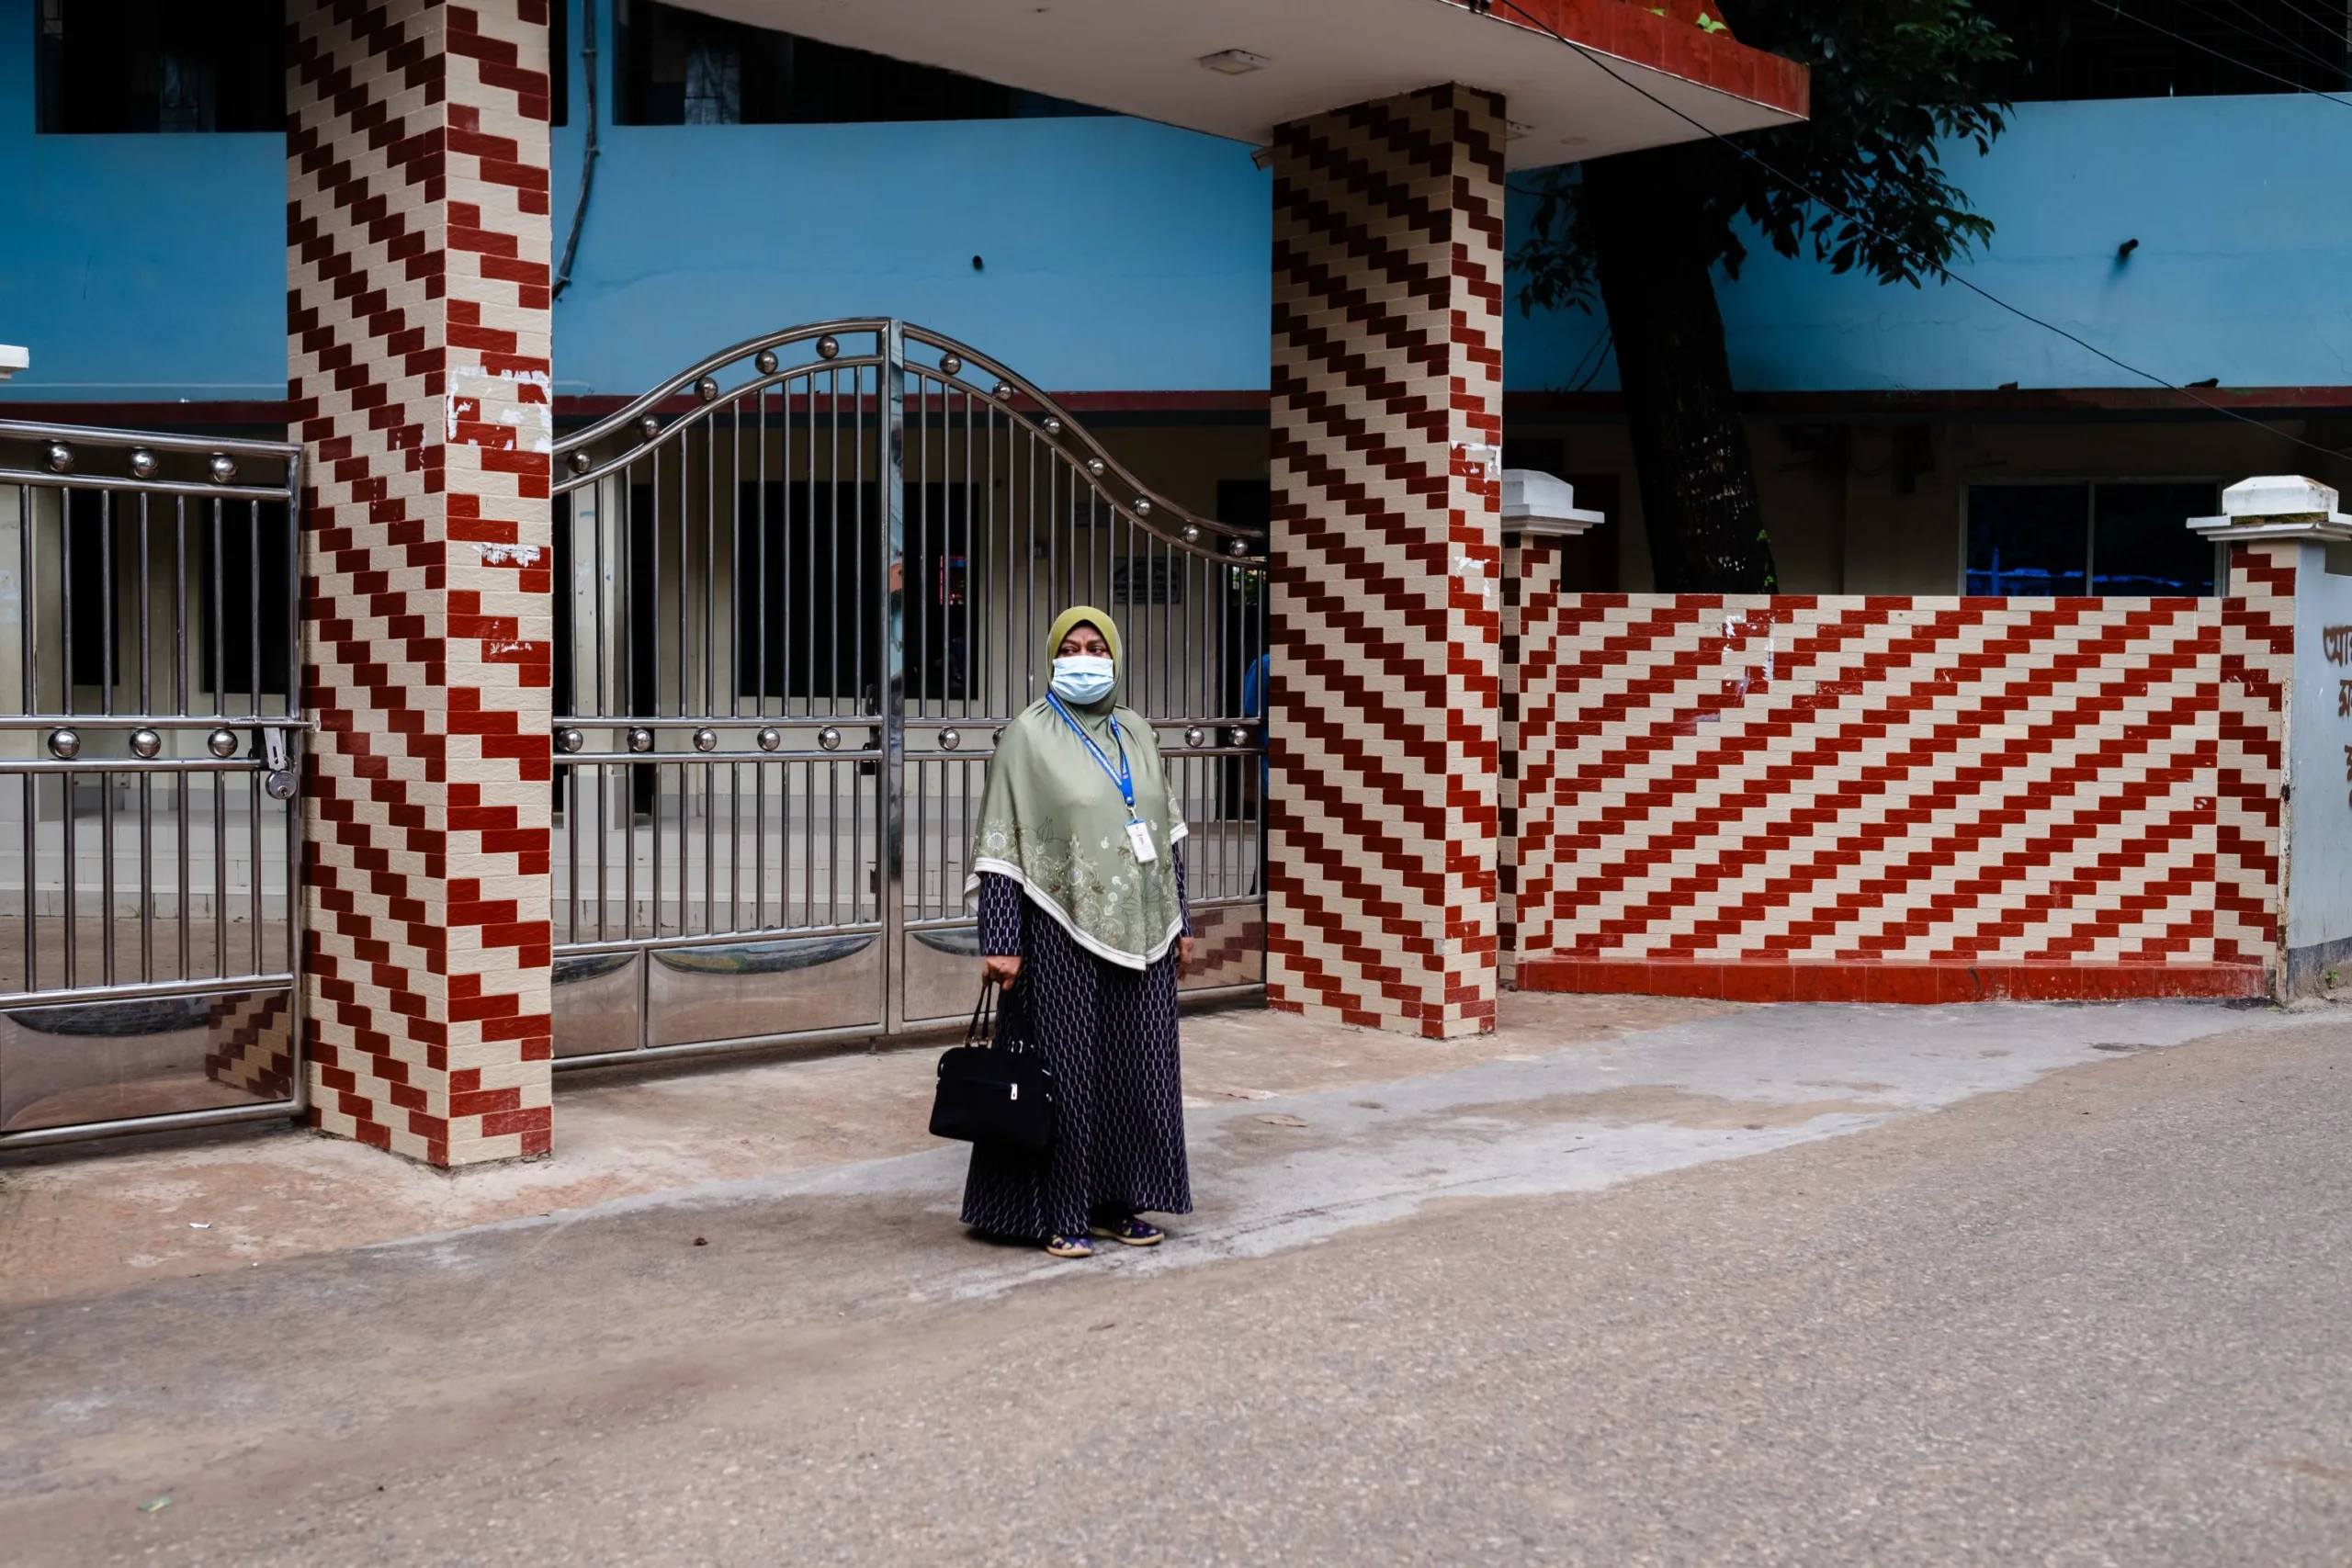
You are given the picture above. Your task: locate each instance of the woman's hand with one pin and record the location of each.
(1002, 967)
(1185, 948)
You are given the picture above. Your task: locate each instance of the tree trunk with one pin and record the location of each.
(1706, 530)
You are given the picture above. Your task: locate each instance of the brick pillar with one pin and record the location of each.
(1387, 433)
(2286, 715)
(2250, 761)
(417, 327)
(1526, 852)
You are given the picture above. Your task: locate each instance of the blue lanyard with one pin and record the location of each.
(1122, 778)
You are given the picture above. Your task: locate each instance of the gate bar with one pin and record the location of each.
(894, 670)
(870, 680)
(169, 1121)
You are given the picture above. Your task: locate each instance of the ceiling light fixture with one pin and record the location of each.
(1235, 62)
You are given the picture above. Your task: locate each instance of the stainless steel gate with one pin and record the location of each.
(150, 711)
(799, 588)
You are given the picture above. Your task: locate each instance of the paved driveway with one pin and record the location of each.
(1995, 1284)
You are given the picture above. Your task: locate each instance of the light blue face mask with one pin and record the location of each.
(1081, 678)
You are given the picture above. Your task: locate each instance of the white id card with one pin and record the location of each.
(1140, 836)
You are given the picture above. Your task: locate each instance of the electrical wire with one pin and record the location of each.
(1943, 273)
(1607, 344)
(588, 163)
(2330, 27)
(1598, 346)
(2115, 8)
(2257, 24)
(2327, 25)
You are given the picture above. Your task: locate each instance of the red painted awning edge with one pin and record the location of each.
(1671, 43)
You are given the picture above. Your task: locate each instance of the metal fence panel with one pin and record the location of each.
(800, 586)
(150, 718)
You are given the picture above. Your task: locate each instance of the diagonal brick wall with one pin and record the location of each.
(1530, 751)
(417, 235)
(1387, 425)
(2257, 663)
(249, 1043)
(1904, 799)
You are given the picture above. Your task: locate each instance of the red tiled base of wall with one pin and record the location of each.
(1911, 984)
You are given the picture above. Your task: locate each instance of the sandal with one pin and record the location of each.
(1070, 1247)
(1131, 1231)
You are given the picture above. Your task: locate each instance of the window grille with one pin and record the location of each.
(1135, 581)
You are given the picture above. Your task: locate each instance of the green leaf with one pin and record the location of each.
(1895, 84)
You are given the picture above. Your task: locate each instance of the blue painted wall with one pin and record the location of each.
(1124, 256)
(2244, 270)
(143, 268)
(1117, 253)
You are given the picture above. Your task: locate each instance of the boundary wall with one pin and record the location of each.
(1897, 799)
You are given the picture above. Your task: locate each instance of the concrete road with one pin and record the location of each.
(1806, 1285)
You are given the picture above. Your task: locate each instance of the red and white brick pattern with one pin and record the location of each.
(249, 1043)
(2256, 667)
(418, 356)
(1530, 746)
(1387, 427)
(1943, 784)
(1229, 947)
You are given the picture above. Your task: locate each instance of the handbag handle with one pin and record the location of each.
(982, 1031)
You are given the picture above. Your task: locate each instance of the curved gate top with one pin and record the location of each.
(799, 588)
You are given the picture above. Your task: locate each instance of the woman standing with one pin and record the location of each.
(1079, 865)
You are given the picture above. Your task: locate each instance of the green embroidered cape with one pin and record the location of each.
(1053, 820)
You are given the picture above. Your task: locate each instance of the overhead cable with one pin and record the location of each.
(2116, 8)
(588, 160)
(1941, 271)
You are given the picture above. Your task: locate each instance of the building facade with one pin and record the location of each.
(614, 583)
(1124, 263)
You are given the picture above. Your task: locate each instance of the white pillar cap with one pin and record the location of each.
(1543, 504)
(2277, 506)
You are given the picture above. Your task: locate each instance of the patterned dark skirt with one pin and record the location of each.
(1109, 1034)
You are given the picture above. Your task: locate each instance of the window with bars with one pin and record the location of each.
(1155, 580)
(158, 66)
(197, 591)
(807, 613)
(2067, 540)
(680, 67)
(179, 66)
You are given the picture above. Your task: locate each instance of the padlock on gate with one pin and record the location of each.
(279, 780)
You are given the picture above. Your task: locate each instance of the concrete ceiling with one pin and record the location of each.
(1143, 57)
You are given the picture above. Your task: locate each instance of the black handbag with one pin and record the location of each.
(993, 1089)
